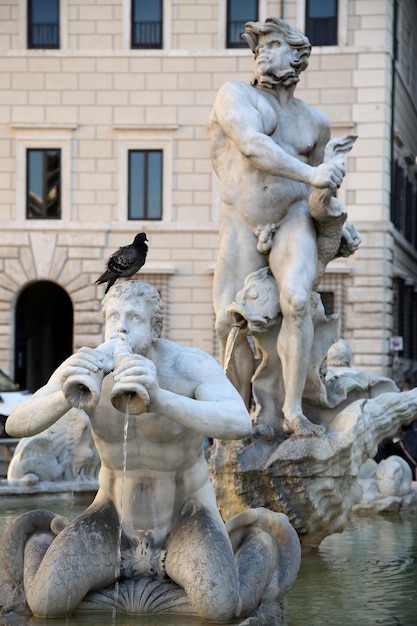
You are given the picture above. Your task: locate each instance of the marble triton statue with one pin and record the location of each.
(154, 524)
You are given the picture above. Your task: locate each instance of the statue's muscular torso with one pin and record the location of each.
(258, 196)
(166, 464)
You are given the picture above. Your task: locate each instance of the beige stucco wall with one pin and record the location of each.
(95, 98)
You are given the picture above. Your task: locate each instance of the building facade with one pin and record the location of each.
(103, 133)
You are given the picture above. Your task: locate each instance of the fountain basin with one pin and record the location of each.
(365, 575)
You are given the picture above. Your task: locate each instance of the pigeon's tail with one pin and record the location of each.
(110, 283)
(109, 278)
(107, 275)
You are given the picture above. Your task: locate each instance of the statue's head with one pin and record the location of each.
(255, 32)
(393, 476)
(131, 290)
(339, 354)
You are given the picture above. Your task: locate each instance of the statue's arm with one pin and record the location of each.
(216, 410)
(249, 120)
(48, 404)
(196, 393)
(37, 413)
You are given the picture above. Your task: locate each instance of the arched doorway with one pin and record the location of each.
(43, 333)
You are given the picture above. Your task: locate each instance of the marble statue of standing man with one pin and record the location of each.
(267, 149)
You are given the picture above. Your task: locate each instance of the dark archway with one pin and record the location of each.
(43, 333)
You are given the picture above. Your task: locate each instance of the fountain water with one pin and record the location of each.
(122, 490)
(365, 575)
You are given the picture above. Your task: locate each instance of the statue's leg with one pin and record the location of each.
(13, 542)
(293, 261)
(31, 533)
(200, 560)
(82, 557)
(268, 555)
(256, 558)
(237, 258)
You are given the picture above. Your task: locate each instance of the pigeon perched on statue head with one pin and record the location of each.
(126, 261)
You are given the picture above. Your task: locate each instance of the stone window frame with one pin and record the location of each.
(63, 28)
(166, 28)
(31, 29)
(44, 180)
(43, 137)
(222, 26)
(327, 24)
(230, 41)
(342, 21)
(143, 45)
(148, 183)
(146, 138)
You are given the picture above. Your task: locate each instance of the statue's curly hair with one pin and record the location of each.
(130, 289)
(293, 36)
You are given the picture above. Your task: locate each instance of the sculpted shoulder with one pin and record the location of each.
(184, 360)
(231, 91)
(241, 104)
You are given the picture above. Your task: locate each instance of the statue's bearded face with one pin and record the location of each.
(278, 62)
(132, 320)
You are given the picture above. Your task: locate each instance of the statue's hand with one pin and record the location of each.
(329, 174)
(137, 374)
(84, 361)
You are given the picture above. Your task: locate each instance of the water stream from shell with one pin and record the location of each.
(119, 537)
(230, 344)
(73, 447)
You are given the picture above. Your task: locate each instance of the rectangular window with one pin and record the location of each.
(396, 30)
(404, 203)
(327, 298)
(404, 324)
(238, 13)
(398, 183)
(145, 185)
(332, 289)
(321, 22)
(146, 24)
(43, 23)
(43, 175)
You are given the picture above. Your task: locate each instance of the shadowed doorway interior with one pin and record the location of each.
(43, 333)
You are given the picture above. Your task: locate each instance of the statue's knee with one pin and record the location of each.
(295, 303)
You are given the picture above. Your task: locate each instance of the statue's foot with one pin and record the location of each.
(299, 426)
